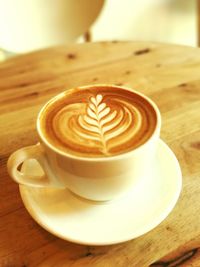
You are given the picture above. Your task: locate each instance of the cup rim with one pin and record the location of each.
(102, 158)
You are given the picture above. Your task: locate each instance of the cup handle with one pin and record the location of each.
(31, 152)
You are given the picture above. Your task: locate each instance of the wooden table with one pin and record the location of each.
(170, 75)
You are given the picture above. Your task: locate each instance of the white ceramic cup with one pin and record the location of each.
(98, 179)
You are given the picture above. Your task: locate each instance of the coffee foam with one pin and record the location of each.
(98, 122)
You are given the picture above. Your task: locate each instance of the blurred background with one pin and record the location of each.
(172, 21)
(28, 25)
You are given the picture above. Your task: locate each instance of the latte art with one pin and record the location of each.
(106, 126)
(98, 122)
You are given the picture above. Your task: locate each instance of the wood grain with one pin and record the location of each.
(170, 75)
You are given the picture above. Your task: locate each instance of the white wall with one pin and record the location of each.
(172, 21)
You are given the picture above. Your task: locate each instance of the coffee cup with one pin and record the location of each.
(97, 141)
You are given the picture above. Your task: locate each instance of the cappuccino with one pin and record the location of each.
(96, 140)
(98, 121)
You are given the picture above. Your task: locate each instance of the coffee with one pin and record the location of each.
(98, 121)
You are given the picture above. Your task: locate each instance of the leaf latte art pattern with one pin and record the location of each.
(97, 126)
(98, 122)
(101, 123)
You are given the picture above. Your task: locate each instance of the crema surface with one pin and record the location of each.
(98, 122)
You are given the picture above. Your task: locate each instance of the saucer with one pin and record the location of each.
(103, 223)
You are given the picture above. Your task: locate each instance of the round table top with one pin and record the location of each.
(170, 75)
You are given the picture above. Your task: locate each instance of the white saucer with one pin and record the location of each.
(86, 222)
